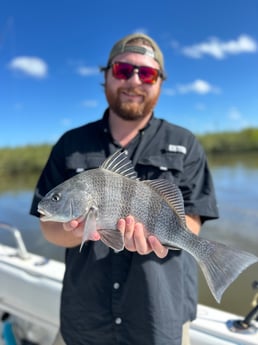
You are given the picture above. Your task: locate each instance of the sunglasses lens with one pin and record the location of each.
(148, 75)
(122, 70)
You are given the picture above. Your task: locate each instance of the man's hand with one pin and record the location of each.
(76, 227)
(134, 236)
(136, 240)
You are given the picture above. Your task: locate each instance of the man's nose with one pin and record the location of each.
(135, 77)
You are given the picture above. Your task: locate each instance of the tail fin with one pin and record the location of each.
(221, 265)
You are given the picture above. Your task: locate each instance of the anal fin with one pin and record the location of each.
(112, 238)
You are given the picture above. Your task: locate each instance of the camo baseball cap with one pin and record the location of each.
(126, 44)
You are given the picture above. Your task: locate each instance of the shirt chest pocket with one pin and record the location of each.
(79, 162)
(167, 165)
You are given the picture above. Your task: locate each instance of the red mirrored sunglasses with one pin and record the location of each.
(125, 70)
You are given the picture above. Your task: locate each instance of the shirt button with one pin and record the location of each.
(118, 321)
(116, 286)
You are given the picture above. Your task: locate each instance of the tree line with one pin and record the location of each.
(231, 142)
(31, 159)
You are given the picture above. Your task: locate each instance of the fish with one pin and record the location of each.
(103, 195)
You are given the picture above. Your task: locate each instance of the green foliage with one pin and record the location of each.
(29, 160)
(23, 160)
(20, 167)
(231, 142)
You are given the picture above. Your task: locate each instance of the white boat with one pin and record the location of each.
(30, 298)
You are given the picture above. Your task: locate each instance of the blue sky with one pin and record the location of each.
(50, 52)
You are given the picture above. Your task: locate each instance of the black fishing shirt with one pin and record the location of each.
(124, 298)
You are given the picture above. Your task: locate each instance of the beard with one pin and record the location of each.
(130, 111)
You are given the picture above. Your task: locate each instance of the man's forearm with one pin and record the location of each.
(193, 223)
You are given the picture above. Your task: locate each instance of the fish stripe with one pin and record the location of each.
(114, 195)
(129, 195)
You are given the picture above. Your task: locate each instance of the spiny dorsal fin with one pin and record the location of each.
(171, 193)
(119, 163)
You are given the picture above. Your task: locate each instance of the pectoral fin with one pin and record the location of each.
(90, 225)
(112, 238)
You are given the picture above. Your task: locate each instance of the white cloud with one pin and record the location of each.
(141, 30)
(169, 91)
(90, 103)
(29, 65)
(175, 45)
(219, 49)
(237, 119)
(198, 86)
(66, 122)
(87, 71)
(200, 106)
(234, 114)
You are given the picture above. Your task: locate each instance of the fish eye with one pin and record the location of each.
(56, 197)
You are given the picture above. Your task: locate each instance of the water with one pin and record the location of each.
(236, 182)
(237, 195)
(14, 209)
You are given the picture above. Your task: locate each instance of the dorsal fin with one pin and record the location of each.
(119, 163)
(171, 193)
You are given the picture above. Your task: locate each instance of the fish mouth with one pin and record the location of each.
(44, 215)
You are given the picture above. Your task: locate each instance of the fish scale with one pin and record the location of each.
(102, 196)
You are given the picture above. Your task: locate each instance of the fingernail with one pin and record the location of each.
(128, 220)
(120, 224)
(151, 239)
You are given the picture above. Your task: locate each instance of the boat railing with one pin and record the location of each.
(15, 232)
(246, 324)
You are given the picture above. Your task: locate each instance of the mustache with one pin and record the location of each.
(132, 90)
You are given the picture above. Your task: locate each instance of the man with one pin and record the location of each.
(144, 294)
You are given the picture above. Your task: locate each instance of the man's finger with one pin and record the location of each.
(121, 226)
(129, 234)
(70, 226)
(141, 244)
(157, 247)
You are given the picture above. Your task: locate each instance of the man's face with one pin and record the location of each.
(132, 99)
